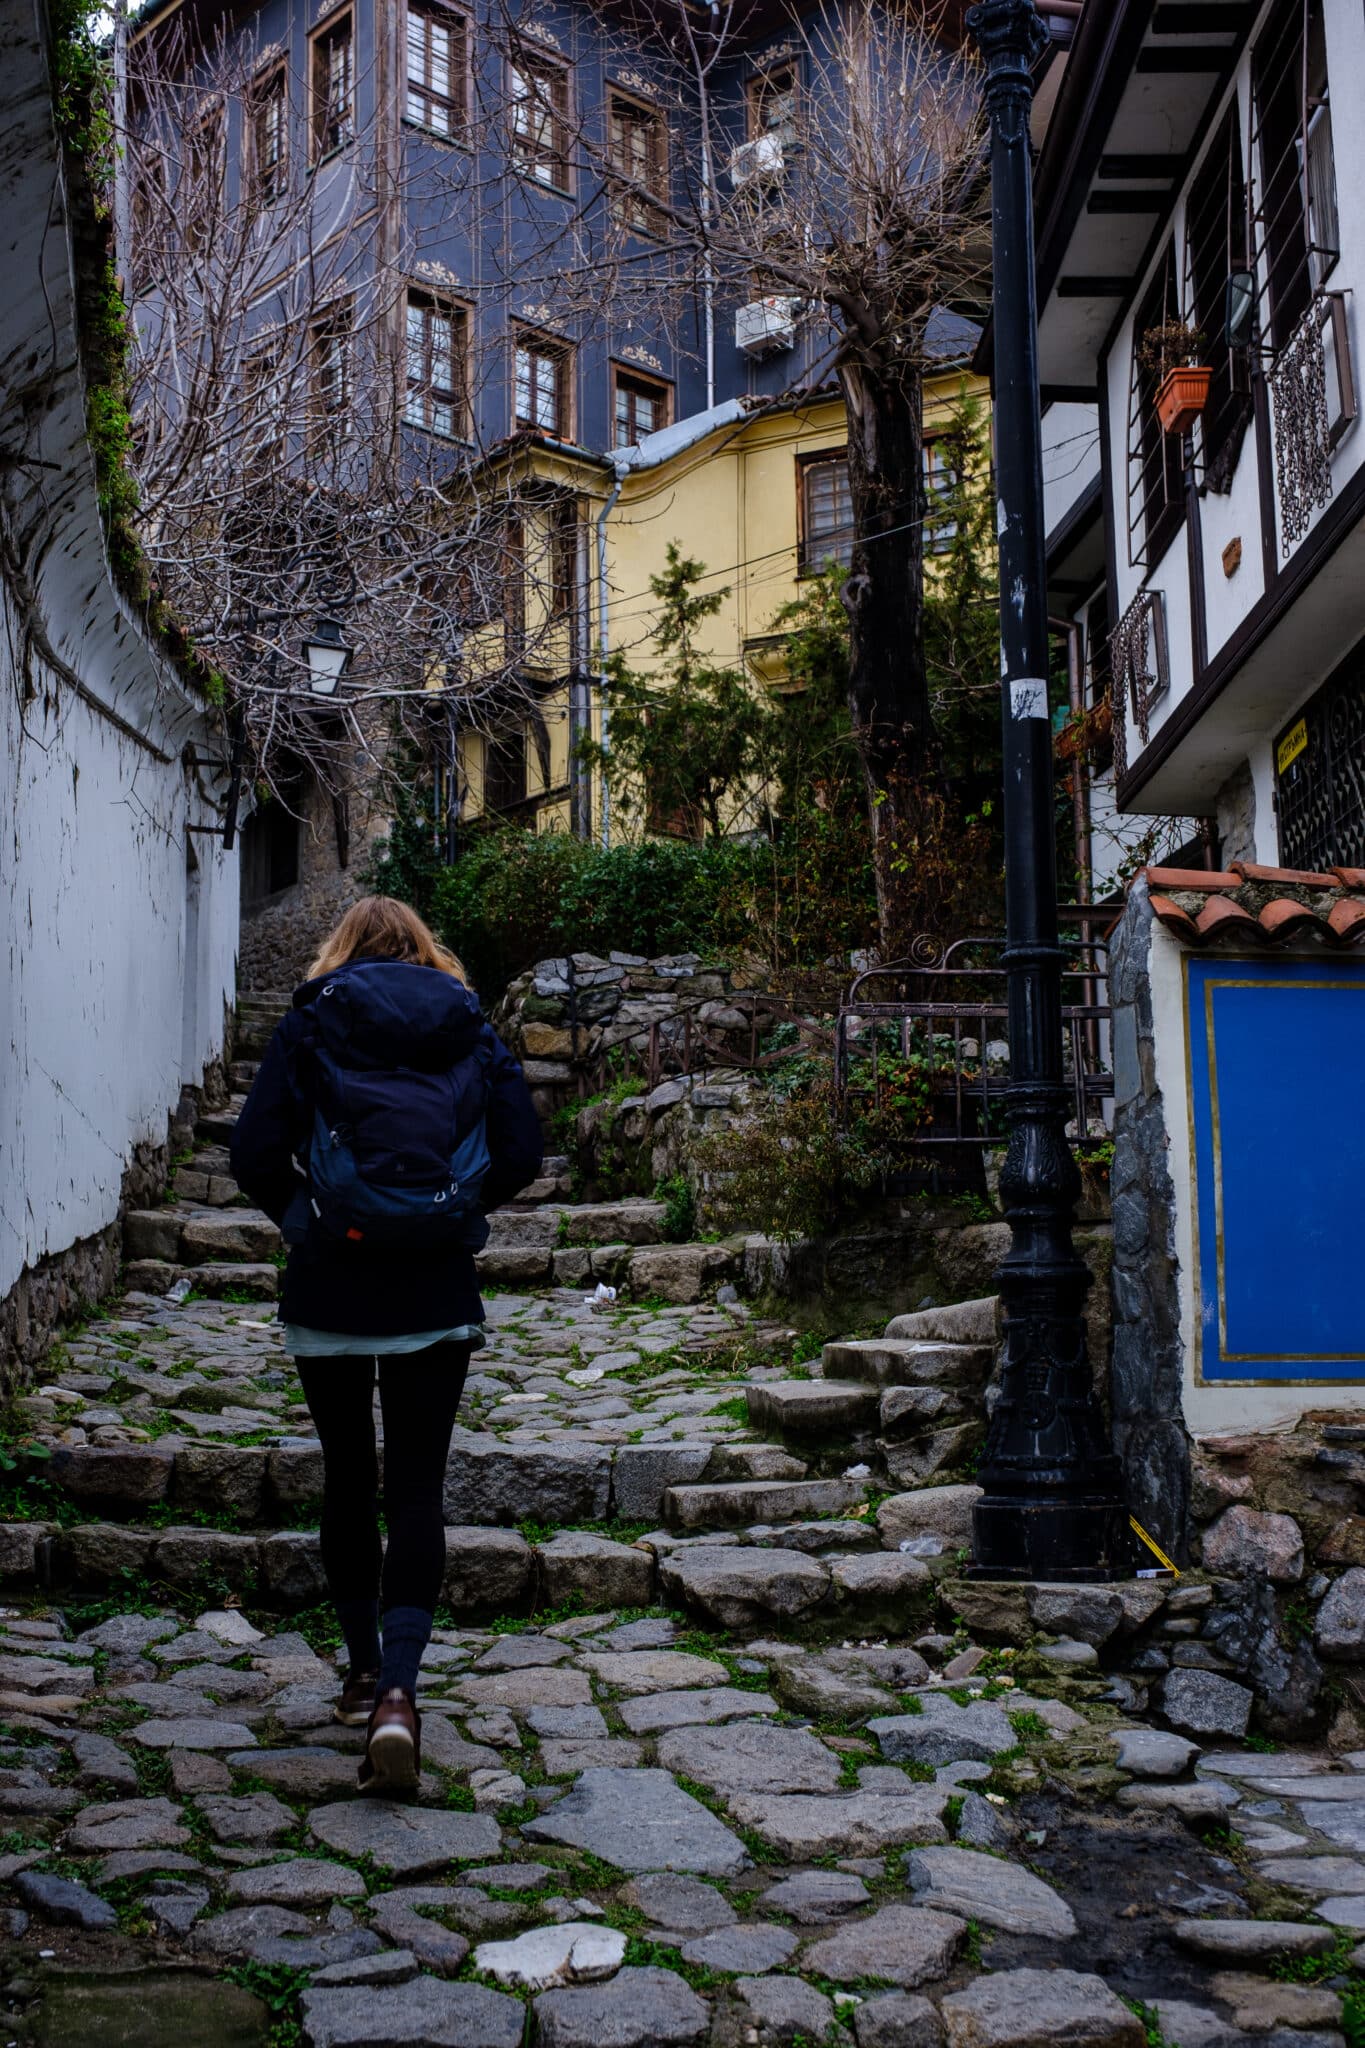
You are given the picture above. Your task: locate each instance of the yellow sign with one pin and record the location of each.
(1292, 745)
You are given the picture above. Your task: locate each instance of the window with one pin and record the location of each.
(542, 386)
(263, 411)
(438, 67)
(563, 557)
(1215, 244)
(1296, 213)
(640, 406)
(1155, 459)
(639, 151)
(826, 513)
(940, 464)
(540, 117)
(331, 363)
(199, 201)
(772, 104)
(504, 771)
(268, 136)
(437, 345)
(333, 87)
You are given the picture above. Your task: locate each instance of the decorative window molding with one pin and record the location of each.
(1313, 401)
(1139, 667)
(634, 353)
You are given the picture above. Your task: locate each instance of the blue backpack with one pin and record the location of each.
(399, 1146)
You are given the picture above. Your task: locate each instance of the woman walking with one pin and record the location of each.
(385, 1119)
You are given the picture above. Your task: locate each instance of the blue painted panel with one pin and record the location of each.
(1277, 1099)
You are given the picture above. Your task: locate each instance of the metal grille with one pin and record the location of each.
(1295, 213)
(1156, 496)
(1303, 448)
(1321, 784)
(1139, 667)
(1216, 243)
(943, 1016)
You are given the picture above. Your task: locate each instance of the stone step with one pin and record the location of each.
(962, 1322)
(202, 1184)
(242, 1073)
(185, 1235)
(217, 1127)
(679, 1273)
(578, 1225)
(159, 1276)
(907, 1362)
(826, 1410)
(737, 1503)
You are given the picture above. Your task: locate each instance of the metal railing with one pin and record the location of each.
(932, 1031)
(686, 1042)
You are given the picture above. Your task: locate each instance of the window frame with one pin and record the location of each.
(336, 320)
(270, 88)
(322, 143)
(564, 526)
(1293, 164)
(638, 216)
(938, 535)
(457, 99)
(204, 165)
(1212, 252)
(537, 66)
(1156, 495)
(624, 376)
(807, 562)
(546, 347)
(456, 394)
(759, 87)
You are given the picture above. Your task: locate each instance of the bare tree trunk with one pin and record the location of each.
(888, 685)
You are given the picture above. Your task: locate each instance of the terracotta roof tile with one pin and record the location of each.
(1221, 918)
(1346, 920)
(1272, 906)
(1191, 878)
(1283, 918)
(1249, 872)
(1177, 920)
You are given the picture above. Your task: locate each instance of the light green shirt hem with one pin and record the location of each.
(301, 1342)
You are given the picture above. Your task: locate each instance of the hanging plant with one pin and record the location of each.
(1171, 354)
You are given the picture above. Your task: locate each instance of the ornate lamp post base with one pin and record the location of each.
(1052, 1505)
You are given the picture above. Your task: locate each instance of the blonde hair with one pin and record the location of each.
(382, 928)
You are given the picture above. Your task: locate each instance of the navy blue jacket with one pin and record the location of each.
(348, 1288)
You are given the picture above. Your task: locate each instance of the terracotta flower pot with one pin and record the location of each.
(1182, 397)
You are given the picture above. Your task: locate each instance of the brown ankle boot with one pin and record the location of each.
(393, 1746)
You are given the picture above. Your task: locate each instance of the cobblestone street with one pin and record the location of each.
(708, 1756)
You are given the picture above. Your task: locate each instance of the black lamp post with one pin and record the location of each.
(1052, 1504)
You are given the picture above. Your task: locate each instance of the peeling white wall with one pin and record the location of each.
(116, 967)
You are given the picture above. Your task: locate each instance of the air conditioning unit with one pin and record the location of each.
(765, 326)
(757, 160)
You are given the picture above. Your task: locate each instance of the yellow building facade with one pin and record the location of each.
(759, 496)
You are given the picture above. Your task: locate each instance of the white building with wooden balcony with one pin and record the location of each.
(1219, 572)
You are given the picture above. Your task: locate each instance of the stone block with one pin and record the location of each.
(679, 1272)
(23, 1550)
(882, 1590)
(1243, 1544)
(737, 1586)
(501, 1484)
(943, 1510)
(233, 1234)
(571, 1267)
(605, 1574)
(122, 1475)
(223, 1478)
(294, 1474)
(152, 1234)
(259, 1283)
(547, 1042)
(641, 1474)
(1340, 1632)
(95, 1553)
(1201, 1703)
(488, 1571)
(514, 1265)
(183, 1555)
(291, 1568)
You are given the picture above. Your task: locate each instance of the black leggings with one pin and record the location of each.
(419, 1393)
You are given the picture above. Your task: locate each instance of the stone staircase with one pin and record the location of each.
(755, 1486)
